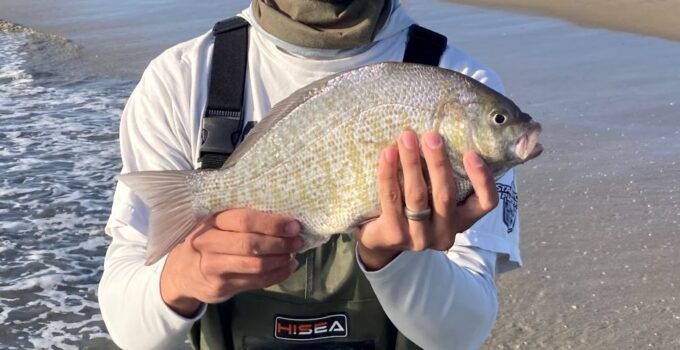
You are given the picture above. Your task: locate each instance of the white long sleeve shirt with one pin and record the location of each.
(438, 300)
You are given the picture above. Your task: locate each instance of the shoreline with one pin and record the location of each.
(629, 16)
(118, 38)
(127, 51)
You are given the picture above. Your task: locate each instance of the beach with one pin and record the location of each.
(600, 209)
(655, 18)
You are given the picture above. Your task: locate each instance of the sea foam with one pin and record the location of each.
(59, 155)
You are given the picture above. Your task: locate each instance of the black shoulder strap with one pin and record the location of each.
(224, 118)
(424, 46)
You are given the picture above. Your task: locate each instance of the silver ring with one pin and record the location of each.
(417, 215)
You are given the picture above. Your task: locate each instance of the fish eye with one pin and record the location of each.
(499, 118)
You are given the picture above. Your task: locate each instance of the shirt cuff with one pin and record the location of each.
(402, 261)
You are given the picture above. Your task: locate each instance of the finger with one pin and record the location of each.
(415, 188)
(441, 175)
(388, 184)
(250, 282)
(485, 197)
(390, 227)
(223, 265)
(416, 196)
(249, 220)
(443, 190)
(246, 244)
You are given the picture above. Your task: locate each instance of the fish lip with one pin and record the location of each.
(527, 146)
(538, 149)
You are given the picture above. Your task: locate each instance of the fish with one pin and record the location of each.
(314, 157)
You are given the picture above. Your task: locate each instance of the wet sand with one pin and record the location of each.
(600, 208)
(656, 18)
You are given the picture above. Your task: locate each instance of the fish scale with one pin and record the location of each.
(315, 156)
(344, 165)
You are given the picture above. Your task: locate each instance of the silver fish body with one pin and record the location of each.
(315, 156)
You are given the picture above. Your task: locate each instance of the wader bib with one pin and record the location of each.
(327, 303)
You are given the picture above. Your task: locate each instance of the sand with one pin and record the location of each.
(657, 18)
(600, 208)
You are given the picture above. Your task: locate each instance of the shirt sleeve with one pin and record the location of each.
(498, 231)
(129, 292)
(440, 300)
(449, 301)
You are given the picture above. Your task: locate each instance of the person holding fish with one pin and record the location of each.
(370, 207)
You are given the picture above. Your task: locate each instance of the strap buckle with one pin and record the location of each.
(221, 131)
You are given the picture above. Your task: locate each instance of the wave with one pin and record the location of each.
(9, 27)
(59, 155)
(43, 56)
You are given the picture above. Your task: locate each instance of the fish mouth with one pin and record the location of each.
(527, 146)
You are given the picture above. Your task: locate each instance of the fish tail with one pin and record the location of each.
(172, 216)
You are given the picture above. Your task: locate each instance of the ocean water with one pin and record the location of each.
(59, 157)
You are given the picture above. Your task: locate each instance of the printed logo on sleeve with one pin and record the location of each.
(508, 196)
(302, 329)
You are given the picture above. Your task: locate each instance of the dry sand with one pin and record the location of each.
(651, 17)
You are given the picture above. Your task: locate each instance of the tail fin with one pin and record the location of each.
(168, 195)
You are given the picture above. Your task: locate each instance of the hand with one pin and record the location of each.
(383, 239)
(237, 251)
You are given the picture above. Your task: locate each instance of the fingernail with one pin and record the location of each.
(432, 140)
(409, 140)
(389, 155)
(292, 228)
(294, 264)
(476, 160)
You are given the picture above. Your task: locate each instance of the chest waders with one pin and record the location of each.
(327, 303)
